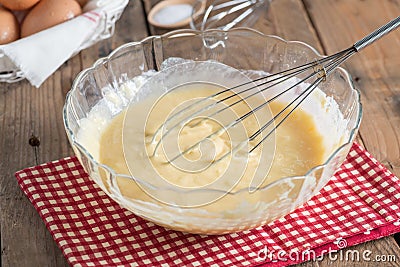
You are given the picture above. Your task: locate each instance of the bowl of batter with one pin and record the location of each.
(159, 127)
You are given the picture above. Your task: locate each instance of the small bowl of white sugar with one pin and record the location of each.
(172, 14)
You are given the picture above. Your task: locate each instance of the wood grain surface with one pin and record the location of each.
(26, 111)
(329, 26)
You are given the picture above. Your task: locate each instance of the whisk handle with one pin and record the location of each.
(377, 34)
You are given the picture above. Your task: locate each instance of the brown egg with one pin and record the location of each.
(48, 13)
(9, 28)
(20, 15)
(18, 4)
(82, 2)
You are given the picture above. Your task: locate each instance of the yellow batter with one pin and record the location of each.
(298, 147)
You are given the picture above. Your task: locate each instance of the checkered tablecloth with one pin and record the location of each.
(360, 203)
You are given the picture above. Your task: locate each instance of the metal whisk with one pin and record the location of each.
(315, 73)
(224, 15)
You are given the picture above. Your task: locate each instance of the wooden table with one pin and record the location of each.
(327, 25)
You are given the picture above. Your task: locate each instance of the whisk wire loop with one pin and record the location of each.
(247, 7)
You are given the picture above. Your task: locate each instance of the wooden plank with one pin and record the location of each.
(25, 110)
(375, 72)
(289, 20)
(375, 69)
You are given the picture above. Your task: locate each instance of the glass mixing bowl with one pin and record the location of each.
(243, 49)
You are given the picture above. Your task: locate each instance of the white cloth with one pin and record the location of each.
(40, 54)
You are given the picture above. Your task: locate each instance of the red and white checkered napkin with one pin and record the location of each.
(360, 203)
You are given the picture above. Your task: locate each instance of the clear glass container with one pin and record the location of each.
(242, 49)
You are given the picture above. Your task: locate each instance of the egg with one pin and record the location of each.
(9, 27)
(82, 2)
(48, 13)
(18, 4)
